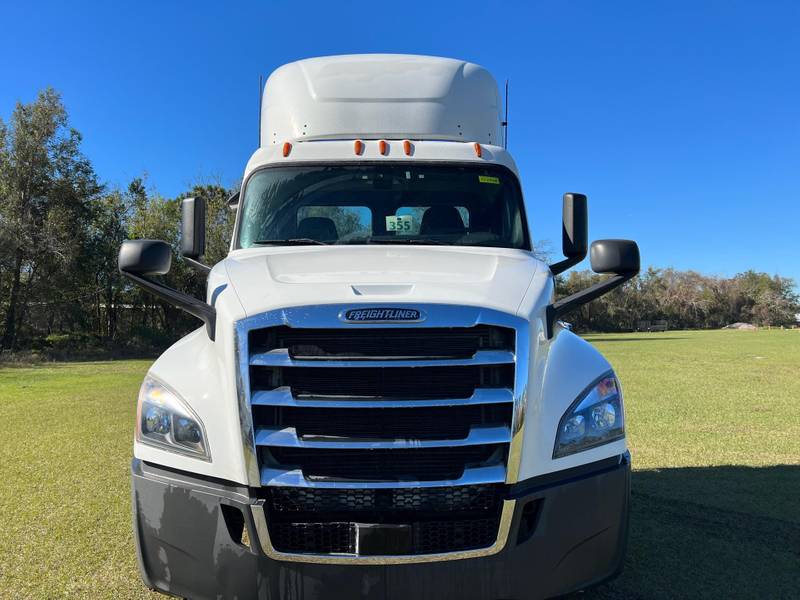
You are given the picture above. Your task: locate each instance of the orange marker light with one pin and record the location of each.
(359, 146)
(383, 147)
(287, 147)
(407, 147)
(477, 149)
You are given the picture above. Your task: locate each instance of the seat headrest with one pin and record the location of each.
(321, 229)
(442, 219)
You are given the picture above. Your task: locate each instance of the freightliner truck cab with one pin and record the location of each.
(382, 401)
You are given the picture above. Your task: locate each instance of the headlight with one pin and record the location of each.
(594, 419)
(164, 420)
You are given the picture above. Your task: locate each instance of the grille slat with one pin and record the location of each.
(288, 438)
(283, 397)
(281, 358)
(282, 476)
(420, 464)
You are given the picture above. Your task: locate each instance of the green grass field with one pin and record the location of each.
(714, 431)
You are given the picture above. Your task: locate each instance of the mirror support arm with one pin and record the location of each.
(190, 304)
(563, 265)
(557, 309)
(197, 265)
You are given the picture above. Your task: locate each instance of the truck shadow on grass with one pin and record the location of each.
(712, 532)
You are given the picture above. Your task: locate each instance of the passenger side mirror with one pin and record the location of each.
(145, 257)
(574, 231)
(615, 256)
(233, 201)
(139, 260)
(193, 227)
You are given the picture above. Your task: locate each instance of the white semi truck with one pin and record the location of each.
(382, 403)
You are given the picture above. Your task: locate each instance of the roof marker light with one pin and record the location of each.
(358, 146)
(477, 149)
(287, 147)
(407, 147)
(383, 147)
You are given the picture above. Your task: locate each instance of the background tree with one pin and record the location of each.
(47, 186)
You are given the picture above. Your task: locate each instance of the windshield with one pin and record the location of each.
(383, 204)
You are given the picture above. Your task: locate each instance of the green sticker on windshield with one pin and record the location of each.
(488, 179)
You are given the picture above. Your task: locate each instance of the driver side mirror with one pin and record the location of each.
(615, 256)
(574, 232)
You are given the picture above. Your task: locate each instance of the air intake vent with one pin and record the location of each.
(383, 382)
(432, 342)
(428, 423)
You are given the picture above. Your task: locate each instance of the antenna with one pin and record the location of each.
(505, 122)
(260, 98)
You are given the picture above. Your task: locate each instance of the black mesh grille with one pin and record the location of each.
(430, 342)
(449, 536)
(440, 519)
(314, 538)
(421, 464)
(447, 422)
(427, 537)
(388, 382)
(389, 501)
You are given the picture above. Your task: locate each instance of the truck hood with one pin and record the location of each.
(269, 278)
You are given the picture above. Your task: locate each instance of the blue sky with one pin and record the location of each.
(680, 120)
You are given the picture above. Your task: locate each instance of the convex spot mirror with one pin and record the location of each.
(615, 256)
(145, 257)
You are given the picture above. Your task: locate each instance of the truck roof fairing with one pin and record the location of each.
(380, 96)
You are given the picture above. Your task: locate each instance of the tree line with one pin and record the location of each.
(61, 227)
(60, 233)
(684, 300)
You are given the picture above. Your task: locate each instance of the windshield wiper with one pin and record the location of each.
(290, 242)
(399, 240)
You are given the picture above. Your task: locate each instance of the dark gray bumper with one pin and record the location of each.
(572, 535)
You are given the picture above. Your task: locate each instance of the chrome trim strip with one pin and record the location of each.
(288, 438)
(280, 358)
(325, 316)
(259, 516)
(295, 478)
(522, 345)
(282, 396)
(245, 411)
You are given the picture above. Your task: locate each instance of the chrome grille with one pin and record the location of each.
(438, 408)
